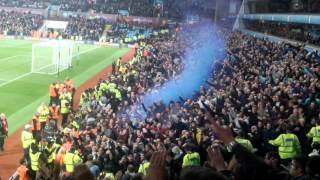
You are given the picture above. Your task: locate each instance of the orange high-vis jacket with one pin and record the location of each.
(59, 158)
(53, 91)
(54, 113)
(22, 171)
(36, 126)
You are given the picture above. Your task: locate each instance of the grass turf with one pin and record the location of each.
(22, 92)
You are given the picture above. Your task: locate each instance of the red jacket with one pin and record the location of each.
(4, 126)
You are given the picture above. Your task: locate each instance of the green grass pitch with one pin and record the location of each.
(21, 92)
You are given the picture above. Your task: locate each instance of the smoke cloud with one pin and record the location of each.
(206, 48)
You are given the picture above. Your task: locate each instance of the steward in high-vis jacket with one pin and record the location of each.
(35, 156)
(71, 159)
(314, 133)
(289, 145)
(241, 139)
(144, 166)
(43, 111)
(26, 140)
(64, 110)
(191, 158)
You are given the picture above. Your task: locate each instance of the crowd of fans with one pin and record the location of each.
(260, 91)
(145, 8)
(88, 29)
(98, 29)
(131, 32)
(20, 24)
(26, 3)
(136, 8)
(26, 24)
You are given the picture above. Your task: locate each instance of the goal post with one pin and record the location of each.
(51, 57)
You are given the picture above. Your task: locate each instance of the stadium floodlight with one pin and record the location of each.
(51, 57)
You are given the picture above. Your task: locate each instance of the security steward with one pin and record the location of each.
(64, 110)
(314, 133)
(192, 158)
(107, 173)
(71, 159)
(51, 150)
(244, 142)
(43, 116)
(289, 145)
(143, 168)
(36, 124)
(54, 93)
(35, 157)
(26, 139)
(54, 114)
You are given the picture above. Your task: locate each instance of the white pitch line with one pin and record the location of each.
(2, 60)
(27, 74)
(7, 58)
(17, 46)
(97, 47)
(14, 79)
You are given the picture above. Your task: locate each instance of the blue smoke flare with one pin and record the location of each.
(206, 48)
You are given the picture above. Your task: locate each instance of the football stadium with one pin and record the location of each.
(159, 90)
(20, 84)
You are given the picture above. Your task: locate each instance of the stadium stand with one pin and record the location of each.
(255, 94)
(146, 8)
(20, 24)
(136, 8)
(258, 116)
(27, 24)
(89, 29)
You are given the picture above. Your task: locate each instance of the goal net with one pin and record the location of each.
(51, 57)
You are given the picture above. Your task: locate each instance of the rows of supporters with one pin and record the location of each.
(121, 30)
(98, 29)
(89, 29)
(145, 8)
(263, 95)
(137, 8)
(21, 24)
(26, 24)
